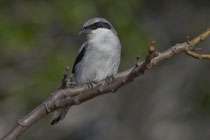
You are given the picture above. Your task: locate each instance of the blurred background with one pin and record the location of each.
(39, 38)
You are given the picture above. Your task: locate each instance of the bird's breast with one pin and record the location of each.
(101, 59)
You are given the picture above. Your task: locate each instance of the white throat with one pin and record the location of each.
(103, 39)
(101, 34)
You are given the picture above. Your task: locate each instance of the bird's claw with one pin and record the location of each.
(97, 84)
(89, 86)
(109, 79)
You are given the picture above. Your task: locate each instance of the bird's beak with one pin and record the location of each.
(84, 31)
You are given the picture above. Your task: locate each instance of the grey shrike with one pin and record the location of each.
(98, 57)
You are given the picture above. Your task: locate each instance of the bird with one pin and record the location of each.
(98, 57)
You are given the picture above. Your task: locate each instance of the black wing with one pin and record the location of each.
(79, 56)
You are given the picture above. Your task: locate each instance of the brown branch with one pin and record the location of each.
(195, 42)
(196, 55)
(79, 94)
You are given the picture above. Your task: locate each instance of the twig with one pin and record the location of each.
(196, 55)
(64, 83)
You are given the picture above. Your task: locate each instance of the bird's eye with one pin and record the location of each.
(96, 24)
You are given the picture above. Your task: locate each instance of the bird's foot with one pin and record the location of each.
(109, 79)
(90, 86)
(97, 84)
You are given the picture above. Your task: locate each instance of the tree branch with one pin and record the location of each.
(73, 96)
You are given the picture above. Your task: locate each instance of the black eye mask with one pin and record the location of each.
(97, 25)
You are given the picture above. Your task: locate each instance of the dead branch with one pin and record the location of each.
(80, 94)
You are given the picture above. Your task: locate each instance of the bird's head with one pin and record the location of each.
(97, 27)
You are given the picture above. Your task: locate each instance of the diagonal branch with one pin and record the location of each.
(196, 55)
(79, 94)
(194, 43)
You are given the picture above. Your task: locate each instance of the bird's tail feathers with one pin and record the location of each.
(61, 113)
